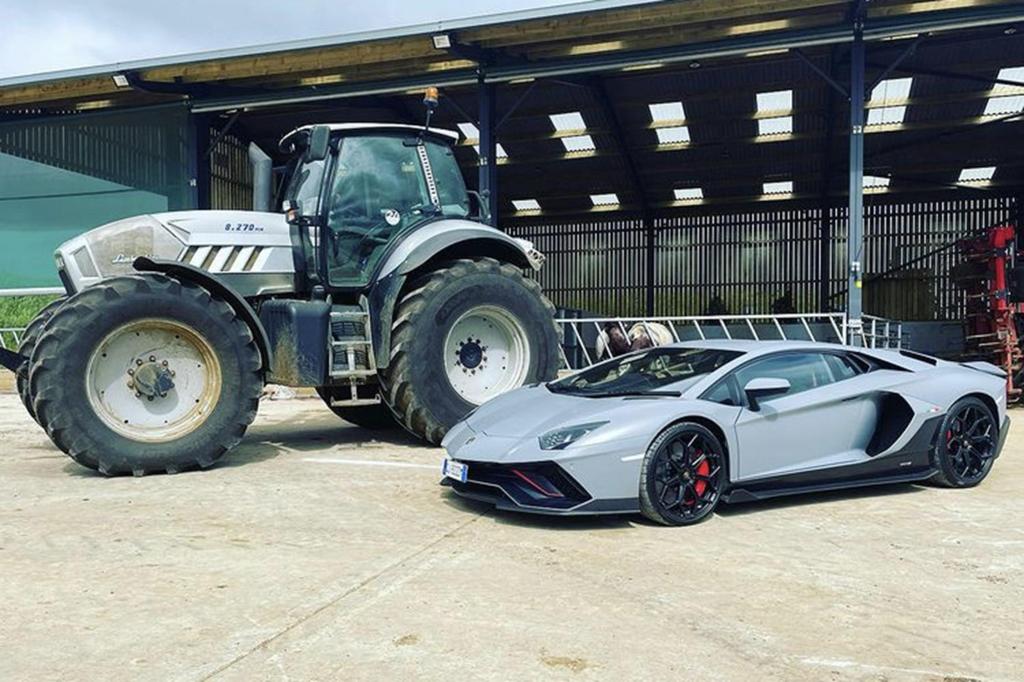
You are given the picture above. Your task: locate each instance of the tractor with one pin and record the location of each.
(379, 284)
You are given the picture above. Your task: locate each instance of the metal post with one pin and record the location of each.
(855, 235)
(199, 161)
(488, 169)
(650, 249)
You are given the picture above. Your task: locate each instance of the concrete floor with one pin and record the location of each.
(316, 552)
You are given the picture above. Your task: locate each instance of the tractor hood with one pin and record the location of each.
(251, 251)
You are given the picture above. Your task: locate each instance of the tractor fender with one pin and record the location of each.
(182, 271)
(437, 242)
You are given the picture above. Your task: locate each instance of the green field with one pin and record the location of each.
(18, 311)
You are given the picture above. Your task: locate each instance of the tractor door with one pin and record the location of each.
(382, 187)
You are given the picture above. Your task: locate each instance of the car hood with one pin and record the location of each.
(534, 410)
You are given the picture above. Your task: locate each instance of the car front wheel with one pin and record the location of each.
(683, 475)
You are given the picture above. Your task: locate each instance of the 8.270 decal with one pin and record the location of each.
(242, 227)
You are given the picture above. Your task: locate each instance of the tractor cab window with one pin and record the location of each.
(451, 188)
(378, 191)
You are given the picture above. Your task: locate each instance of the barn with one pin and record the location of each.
(675, 159)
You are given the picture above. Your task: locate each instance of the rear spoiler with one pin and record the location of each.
(11, 360)
(986, 367)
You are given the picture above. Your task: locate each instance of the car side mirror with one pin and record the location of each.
(764, 387)
(318, 143)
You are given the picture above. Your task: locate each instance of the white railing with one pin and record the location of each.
(580, 336)
(878, 332)
(10, 338)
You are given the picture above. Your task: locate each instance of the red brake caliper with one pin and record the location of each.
(703, 469)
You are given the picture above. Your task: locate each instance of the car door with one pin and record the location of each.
(826, 418)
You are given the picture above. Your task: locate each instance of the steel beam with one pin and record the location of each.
(910, 49)
(855, 234)
(488, 162)
(617, 130)
(825, 207)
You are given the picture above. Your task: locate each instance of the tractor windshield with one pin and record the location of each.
(379, 191)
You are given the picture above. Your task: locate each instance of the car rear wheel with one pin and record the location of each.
(683, 475)
(967, 444)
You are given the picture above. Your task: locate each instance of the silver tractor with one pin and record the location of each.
(379, 285)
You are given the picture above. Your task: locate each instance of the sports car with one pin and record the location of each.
(673, 431)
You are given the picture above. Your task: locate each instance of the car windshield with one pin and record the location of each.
(644, 372)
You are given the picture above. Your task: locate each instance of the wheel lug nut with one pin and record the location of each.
(131, 384)
(138, 363)
(131, 372)
(152, 358)
(164, 363)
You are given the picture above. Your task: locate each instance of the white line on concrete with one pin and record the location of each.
(373, 463)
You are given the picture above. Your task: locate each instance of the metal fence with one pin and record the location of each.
(10, 338)
(763, 261)
(584, 338)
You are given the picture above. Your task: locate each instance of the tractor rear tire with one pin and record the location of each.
(463, 334)
(145, 374)
(28, 342)
(370, 417)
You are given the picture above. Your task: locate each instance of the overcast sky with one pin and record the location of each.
(50, 35)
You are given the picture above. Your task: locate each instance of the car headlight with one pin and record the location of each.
(563, 438)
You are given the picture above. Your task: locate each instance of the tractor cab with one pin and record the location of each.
(359, 189)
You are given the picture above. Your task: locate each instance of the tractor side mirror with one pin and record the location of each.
(764, 387)
(480, 207)
(318, 143)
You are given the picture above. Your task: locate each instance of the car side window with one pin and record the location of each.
(843, 367)
(803, 371)
(724, 393)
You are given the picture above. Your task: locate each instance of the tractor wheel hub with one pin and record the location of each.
(152, 380)
(471, 354)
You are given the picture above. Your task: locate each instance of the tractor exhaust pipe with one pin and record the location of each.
(262, 170)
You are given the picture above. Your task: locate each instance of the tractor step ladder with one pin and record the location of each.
(352, 360)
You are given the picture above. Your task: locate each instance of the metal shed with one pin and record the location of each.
(668, 156)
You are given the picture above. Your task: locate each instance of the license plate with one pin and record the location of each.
(456, 470)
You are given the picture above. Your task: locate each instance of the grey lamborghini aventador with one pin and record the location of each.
(672, 431)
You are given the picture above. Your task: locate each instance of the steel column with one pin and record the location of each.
(650, 249)
(488, 163)
(198, 160)
(855, 234)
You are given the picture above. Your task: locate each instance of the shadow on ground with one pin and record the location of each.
(585, 523)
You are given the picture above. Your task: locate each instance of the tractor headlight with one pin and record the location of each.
(560, 439)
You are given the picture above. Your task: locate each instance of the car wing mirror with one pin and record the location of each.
(764, 387)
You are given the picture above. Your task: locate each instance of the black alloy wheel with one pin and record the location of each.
(967, 445)
(683, 475)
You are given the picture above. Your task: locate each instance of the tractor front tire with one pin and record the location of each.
(463, 334)
(145, 374)
(28, 342)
